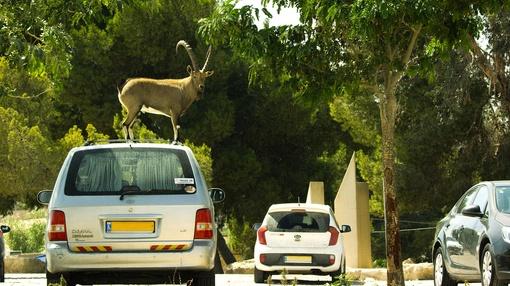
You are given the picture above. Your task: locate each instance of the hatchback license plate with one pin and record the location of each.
(130, 226)
(298, 259)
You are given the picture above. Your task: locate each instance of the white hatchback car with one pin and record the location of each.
(131, 212)
(299, 238)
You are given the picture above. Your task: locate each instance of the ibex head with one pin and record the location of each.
(197, 76)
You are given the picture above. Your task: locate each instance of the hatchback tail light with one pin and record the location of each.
(261, 233)
(57, 226)
(334, 235)
(203, 224)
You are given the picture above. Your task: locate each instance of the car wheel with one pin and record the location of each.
(206, 278)
(441, 275)
(56, 279)
(260, 276)
(488, 269)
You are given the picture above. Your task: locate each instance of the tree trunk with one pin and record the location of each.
(388, 110)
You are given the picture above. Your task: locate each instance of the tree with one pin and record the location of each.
(361, 47)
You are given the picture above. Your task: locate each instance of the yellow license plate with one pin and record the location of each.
(130, 226)
(298, 259)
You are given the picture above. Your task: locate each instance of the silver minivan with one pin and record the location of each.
(131, 212)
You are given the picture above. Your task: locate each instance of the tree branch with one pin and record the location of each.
(29, 97)
(481, 59)
(411, 45)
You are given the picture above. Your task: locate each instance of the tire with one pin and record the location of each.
(55, 279)
(339, 274)
(218, 268)
(441, 275)
(489, 276)
(260, 276)
(2, 270)
(206, 278)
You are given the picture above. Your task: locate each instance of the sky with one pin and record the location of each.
(287, 16)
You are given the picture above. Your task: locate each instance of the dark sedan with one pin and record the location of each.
(472, 243)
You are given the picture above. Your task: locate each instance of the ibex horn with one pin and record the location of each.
(206, 59)
(190, 53)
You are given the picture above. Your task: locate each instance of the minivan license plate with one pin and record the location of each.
(298, 259)
(129, 226)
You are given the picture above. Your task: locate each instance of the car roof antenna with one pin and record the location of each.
(298, 201)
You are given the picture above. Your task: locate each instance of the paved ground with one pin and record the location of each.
(221, 280)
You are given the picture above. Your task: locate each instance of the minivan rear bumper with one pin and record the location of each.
(60, 259)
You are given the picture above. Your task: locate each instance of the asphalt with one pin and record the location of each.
(223, 280)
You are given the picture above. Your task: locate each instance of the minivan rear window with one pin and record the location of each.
(293, 221)
(149, 170)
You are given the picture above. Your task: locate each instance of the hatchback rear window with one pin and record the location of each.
(148, 170)
(298, 221)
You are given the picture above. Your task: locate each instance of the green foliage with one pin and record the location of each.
(379, 263)
(241, 237)
(342, 280)
(28, 159)
(27, 238)
(203, 156)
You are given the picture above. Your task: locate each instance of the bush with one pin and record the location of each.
(26, 238)
(241, 238)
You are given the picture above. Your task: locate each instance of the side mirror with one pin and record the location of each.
(217, 195)
(256, 226)
(472, 210)
(43, 197)
(5, 228)
(345, 228)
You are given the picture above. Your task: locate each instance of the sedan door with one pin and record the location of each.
(473, 228)
(454, 235)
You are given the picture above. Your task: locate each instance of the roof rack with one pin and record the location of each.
(107, 141)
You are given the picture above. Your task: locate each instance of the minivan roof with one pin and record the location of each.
(305, 206)
(132, 145)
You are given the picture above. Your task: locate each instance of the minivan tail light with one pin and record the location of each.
(203, 224)
(261, 233)
(334, 235)
(57, 226)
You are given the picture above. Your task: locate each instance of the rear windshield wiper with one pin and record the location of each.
(129, 190)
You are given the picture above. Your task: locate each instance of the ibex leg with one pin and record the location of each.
(175, 128)
(128, 122)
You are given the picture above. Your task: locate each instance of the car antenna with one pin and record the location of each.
(298, 201)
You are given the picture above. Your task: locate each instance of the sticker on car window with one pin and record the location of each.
(184, 181)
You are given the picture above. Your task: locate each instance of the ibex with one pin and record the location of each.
(169, 97)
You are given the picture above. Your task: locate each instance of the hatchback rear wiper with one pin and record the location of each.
(129, 190)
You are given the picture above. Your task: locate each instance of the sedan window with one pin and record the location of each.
(503, 199)
(467, 199)
(481, 198)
